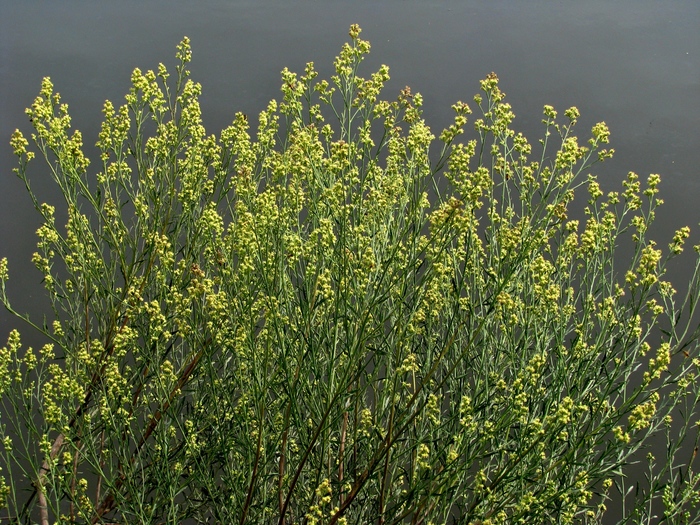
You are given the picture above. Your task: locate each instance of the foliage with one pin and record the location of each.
(320, 324)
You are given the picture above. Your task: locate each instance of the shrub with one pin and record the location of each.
(330, 322)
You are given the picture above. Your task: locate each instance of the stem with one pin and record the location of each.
(108, 502)
(72, 485)
(43, 510)
(341, 453)
(254, 476)
(280, 479)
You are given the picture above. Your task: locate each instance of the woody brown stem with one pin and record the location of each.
(107, 503)
(58, 442)
(44, 511)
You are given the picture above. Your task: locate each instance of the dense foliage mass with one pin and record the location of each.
(327, 321)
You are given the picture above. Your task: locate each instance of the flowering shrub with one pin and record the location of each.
(328, 320)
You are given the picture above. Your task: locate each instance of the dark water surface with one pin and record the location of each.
(632, 63)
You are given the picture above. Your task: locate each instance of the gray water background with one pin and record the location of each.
(632, 63)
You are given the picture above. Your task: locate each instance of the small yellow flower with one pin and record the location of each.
(4, 274)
